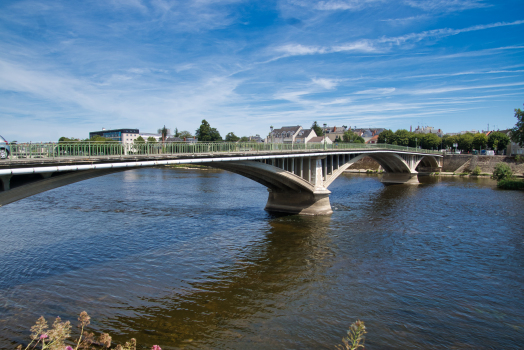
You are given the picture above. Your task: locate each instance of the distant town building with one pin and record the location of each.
(513, 147)
(332, 132)
(305, 135)
(320, 140)
(367, 133)
(286, 134)
(428, 130)
(256, 138)
(121, 135)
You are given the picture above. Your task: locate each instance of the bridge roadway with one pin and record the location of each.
(297, 180)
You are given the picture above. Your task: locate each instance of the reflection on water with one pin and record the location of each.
(189, 259)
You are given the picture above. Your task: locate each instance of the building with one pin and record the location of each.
(513, 147)
(286, 134)
(305, 135)
(334, 132)
(121, 135)
(255, 138)
(428, 130)
(320, 140)
(368, 133)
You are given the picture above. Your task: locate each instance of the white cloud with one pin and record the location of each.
(326, 83)
(379, 91)
(446, 5)
(333, 5)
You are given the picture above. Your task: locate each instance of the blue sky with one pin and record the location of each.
(70, 67)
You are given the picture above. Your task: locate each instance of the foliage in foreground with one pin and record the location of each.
(356, 337)
(476, 171)
(58, 337)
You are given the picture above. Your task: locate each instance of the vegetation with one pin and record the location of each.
(350, 136)
(206, 133)
(402, 137)
(498, 140)
(476, 171)
(480, 141)
(502, 171)
(318, 130)
(184, 134)
(59, 337)
(519, 159)
(139, 140)
(511, 184)
(517, 133)
(163, 132)
(355, 338)
(244, 139)
(231, 137)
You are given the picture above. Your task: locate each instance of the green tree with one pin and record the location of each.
(517, 133)
(177, 134)
(402, 137)
(350, 136)
(318, 129)
(140, 139)
(448, 140)
(465, 142)
(151, 139)
(163, 132)
(244, 139)
(99, 138)
(386, 136)
(480, 140)
(184, 134)
(206, 133)
(231, 137)
(498, 140)
(67, 139)
(430, 141)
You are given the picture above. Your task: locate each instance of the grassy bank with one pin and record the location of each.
(511, 184)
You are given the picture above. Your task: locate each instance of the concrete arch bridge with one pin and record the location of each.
(297, 180)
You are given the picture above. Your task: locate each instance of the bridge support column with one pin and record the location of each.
(400, 178)
(303, 202)
(6, 182)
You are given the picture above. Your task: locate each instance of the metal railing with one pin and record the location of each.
(89, 149)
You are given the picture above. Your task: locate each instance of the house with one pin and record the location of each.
(305, 135)
(256, 138)
(428, 130)
(286, 134)
(320, 140)
(368, 134)
(334, 132)
(373, 140)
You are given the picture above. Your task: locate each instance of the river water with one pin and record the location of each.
(189, 259)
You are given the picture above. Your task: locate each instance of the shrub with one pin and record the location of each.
(510, 184)
(476, 171)
(502, 171)
(519, 158)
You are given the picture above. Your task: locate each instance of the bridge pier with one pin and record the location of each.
(303, 203)
(400, 178)
(6, 182)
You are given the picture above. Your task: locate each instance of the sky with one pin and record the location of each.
(71, 67)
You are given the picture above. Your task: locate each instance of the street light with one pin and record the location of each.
(325, 126)
(271, 127)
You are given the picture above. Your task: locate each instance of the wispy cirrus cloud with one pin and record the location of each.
(384, 43)
(446, 5)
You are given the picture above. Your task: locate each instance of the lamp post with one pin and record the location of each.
(325, 145)
(271, 127)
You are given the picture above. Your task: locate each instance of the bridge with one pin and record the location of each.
(297, 176)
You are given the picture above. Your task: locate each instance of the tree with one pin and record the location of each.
(465, 142)
(402, 137)
(430, 141)
(480, 141)
(151, 139)
(350, 136)
(448, 140)
(318, 129)
(177, 134)
(140, 139)
(386, 136)
(244, 139)
(163, 132)
(231, 137)
(67, 139)
(206, 133)
(517, 133)
(184, 134)
(498, 140)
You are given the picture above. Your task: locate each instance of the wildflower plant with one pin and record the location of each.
(56, 337)
(356, 337)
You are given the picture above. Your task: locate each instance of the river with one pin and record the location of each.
(189, 259)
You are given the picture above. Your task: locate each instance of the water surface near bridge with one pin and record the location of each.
(188, 258)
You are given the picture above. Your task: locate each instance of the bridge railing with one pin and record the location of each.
(89, 149)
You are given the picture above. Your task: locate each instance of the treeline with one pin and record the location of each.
(466, 142)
